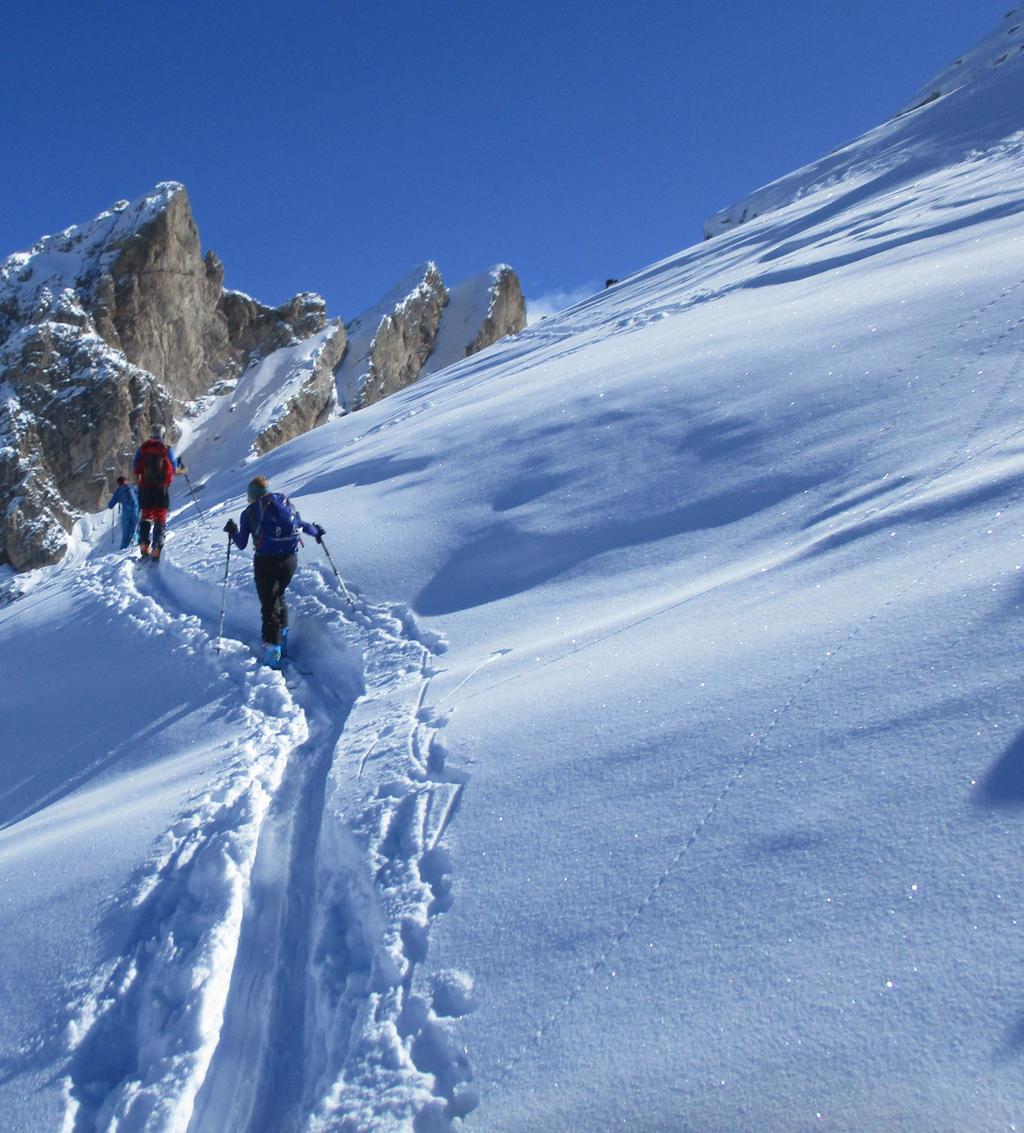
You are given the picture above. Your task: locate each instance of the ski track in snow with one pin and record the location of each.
(269, 974)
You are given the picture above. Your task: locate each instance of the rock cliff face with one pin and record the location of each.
(70, 413)
(308, 393)
(404, 339)
(506, 310)
(112, 325)
(420, 327)
(105, 328)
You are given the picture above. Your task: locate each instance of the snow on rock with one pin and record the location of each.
(480, 311)
(283, 395)
(305, 395)
(56, 264)
(70, 413)
(122, 322)
(391, 341)
(421, 327)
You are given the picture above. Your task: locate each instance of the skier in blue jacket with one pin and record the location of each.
(274, 524)
(127, 496)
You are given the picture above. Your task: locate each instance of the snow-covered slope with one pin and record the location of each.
(226, 430)
(963, 112)
(666, 771)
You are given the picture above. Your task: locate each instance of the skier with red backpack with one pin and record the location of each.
(154, 470)
(275, 525)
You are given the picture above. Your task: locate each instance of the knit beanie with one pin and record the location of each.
(257, 487)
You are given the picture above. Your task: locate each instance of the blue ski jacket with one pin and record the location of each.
(127, 495)
(267, 540)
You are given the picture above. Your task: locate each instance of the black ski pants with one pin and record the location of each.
(273, 573)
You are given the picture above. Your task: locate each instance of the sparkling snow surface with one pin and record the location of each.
(667, 771)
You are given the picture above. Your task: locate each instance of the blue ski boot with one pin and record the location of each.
(271, 655)
(284, 641)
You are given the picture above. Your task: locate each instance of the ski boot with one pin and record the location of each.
(271, 655)
(284, 641)
(143, 550)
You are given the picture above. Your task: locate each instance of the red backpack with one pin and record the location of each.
(154, 464)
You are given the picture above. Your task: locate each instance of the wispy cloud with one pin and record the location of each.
(541, 306)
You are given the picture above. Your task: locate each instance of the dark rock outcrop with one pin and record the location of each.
(69, 422)
(506, 312)
(254, 331)
(404, 339)
(112, 325)
(421, 327)
(313, 398)
(105, 328)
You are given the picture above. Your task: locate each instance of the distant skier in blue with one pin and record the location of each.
(275, 525)
(127, 496)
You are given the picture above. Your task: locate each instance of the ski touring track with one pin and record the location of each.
(268, 971)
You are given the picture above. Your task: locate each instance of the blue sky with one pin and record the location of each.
(332, 145)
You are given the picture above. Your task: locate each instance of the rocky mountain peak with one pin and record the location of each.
(124, 320)
(421, 326)
(105, 327)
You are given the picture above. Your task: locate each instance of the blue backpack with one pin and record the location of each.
(275, 524)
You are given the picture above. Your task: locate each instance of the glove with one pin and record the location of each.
(320, 533)
(231, 528)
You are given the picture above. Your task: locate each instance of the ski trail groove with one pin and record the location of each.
(255, 1081)
(143, 1028)
(383, 1052)
(289, 907)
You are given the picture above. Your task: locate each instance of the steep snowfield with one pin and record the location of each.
(667, 770)
(962, 112)
(221, 438)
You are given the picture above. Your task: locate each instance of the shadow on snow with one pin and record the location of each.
(504, 559)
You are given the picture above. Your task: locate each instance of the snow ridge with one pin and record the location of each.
(992, 52)
(966, 110)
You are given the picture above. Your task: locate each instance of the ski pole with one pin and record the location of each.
(191, 490)
(344, 588)
(224, 596)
